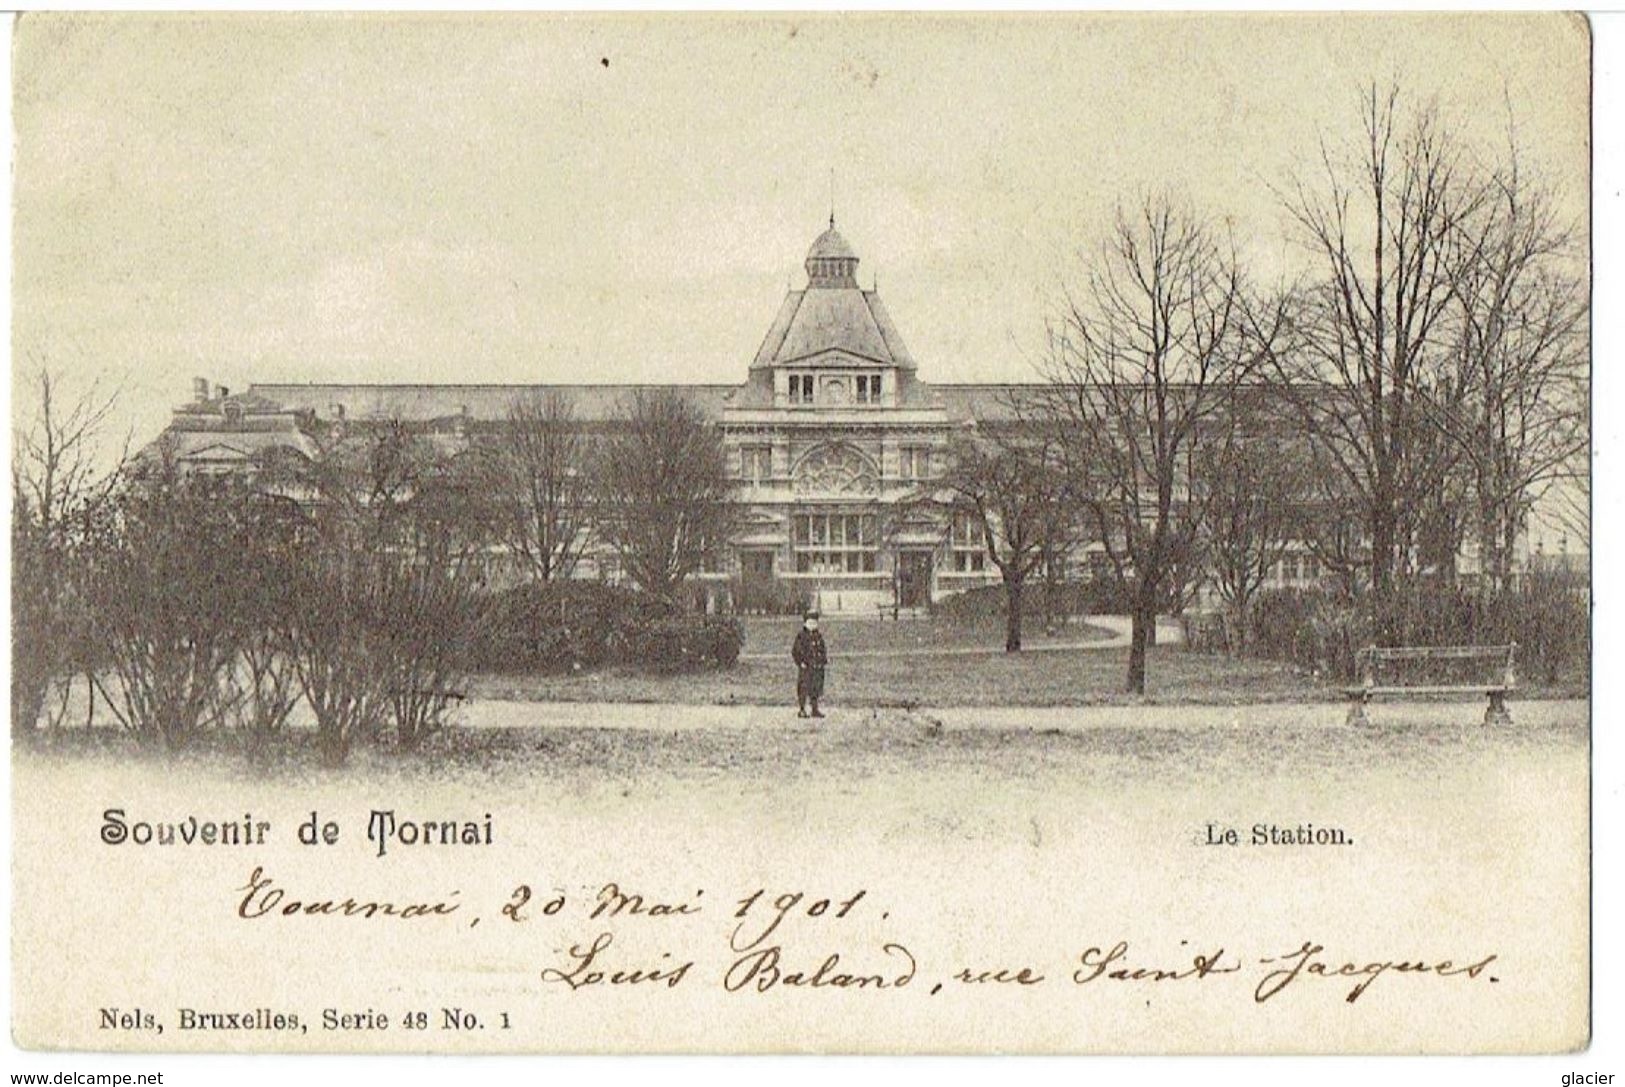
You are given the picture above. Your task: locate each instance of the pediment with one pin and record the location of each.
(216, 451)
(834, 359)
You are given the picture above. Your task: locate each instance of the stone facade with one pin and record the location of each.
(831, 429)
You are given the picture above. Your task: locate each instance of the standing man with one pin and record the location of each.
(810, 657)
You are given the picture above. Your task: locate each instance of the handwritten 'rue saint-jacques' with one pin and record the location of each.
(800, 941)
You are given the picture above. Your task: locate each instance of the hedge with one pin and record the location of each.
(567, 626)
(769, 596)
(1321, 631)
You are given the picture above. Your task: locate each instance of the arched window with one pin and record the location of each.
(835, 470)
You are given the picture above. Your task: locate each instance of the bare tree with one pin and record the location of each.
(261, 689)
(1256, 488)
(333, 639)
(1373, 327)
(536, 472)
(662, 495)
(1011, 485)
(1139, 361)
(1519, 424)
(429, 600)
(56, 486)
(387, 581)
(168, 605)
(1568, 500)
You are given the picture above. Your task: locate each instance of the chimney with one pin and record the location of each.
(200, 390)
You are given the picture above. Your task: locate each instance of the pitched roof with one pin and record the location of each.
(421, 403)
(981, 403)
(821, 319)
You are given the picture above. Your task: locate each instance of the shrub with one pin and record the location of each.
(1549, 618)
(421, 649)
(685, 644)
(1323, 631)
(1099, 596)
(169, 603)
(554, 626)
(770, 596)
(564, 626)
(1313, 629)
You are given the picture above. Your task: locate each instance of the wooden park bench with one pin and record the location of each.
(1436, 670)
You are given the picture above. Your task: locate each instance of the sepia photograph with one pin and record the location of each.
(801, 533)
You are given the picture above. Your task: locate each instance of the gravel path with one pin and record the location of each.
(1464, 714)
(1168, 633)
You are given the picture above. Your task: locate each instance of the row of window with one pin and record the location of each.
(840, 389)
(834, 543)
(835, 562)
(833, 530)
(1297, 568)
(827, 561)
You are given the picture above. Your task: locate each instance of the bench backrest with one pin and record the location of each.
(1438, 666)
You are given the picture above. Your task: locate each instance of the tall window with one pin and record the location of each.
(834, 543)
(970, 553)
(868, 388)
(756, 463)
(801, 388)
(914, 462)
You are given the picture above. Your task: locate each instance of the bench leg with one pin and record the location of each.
(1357, 715)
(1498, 714)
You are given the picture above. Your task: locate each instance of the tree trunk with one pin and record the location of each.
(1490, 563)
(1144, 623)
(1239, 635)
(1509, 548)
(27, 700)
(1012, 615)
(1383, 539)
(1051, 580)
(332, 747)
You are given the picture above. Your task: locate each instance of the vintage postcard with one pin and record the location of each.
(801, 533)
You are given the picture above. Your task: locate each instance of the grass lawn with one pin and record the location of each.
(773, 635)
(1063, 678)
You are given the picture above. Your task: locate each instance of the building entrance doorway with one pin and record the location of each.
(756, 567)
(913, 579)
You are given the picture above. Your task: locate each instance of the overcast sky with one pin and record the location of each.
(547, 198)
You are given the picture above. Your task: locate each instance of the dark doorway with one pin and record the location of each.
(914, 579)
(756, 567)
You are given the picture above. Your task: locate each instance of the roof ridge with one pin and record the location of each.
(494, 385)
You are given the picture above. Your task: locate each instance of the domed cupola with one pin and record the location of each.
(831, 261)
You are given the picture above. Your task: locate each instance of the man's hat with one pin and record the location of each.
(812, 613)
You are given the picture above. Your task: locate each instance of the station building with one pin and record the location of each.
(831, 428)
